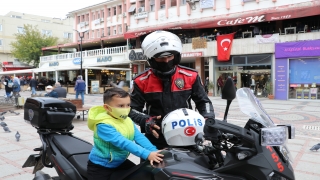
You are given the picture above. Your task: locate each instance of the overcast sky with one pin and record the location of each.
(53, 8)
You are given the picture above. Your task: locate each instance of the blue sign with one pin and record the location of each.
(53, 64)
(77, 61)
(188, 122)
(104, 59)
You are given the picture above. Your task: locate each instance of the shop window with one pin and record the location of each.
(259, 59)
(304, 79)
(239, 59)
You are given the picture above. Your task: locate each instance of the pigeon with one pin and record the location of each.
(14, 112)
(6, 129)
(1, 118)
(315, 147)
(2, 113)
(3, 124)
(17, 136)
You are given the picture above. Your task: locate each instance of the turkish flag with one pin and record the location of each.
(224, 44)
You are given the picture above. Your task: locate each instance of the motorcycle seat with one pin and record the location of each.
(69, 145)
(80, 162)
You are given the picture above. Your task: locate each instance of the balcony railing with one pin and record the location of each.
(91, 53)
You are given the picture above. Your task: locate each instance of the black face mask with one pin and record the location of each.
(163, 66)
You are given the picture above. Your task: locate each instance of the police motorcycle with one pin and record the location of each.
(199, 149)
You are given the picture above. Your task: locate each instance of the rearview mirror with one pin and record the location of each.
(228, 90)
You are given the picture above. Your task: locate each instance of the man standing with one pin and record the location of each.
(206, 85)
(220, 84)
(165, 87)
(79, 88)
(33, 85)
(50, 93)
(62, 93)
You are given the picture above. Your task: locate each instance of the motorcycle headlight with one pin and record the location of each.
(274, 136)
(275, 176)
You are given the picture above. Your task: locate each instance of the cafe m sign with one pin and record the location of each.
(104, 59)
(242, 20)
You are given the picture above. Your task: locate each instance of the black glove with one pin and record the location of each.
(150, 123)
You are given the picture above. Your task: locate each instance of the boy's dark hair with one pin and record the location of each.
(109, 93)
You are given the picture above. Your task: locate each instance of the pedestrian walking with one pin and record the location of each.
(33, 85)
(79, 88)
(16, 89)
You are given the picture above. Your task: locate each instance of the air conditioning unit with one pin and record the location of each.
(140, 9)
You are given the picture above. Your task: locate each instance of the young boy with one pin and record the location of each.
(114, 133)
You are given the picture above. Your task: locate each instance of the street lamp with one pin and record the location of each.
(81, 48)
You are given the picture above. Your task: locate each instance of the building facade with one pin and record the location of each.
(258, 25)
(13, 22)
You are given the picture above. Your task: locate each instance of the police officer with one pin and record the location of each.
(165, 87)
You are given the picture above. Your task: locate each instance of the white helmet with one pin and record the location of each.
(161, 44)
(180, 127)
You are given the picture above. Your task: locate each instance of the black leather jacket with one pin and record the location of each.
(165, 94)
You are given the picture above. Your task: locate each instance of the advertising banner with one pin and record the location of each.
(281, 79)
(267, 38)
(95, 87)
(297, 49)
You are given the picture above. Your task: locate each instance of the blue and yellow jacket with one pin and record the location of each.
(113, 139)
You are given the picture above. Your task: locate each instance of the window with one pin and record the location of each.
(20, 30)
(0, 42)
(98, 15)
(94, 17)
(114, 30)
(47, 32)
(102, 32)
(0, 27)
(67, 35)
(45, 20)
(114, 10)
(120, 9)
(92, 34)
(183, 2)
(108, 31)
(109, 12)
(98, 33)
(120, 29)
(79, 19)
(162, 4)
(102, 14)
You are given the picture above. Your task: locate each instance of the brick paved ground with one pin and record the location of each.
(302, 114)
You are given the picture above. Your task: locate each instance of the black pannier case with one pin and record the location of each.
(49, 113)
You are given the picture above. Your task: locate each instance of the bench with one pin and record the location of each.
(79, 106)
(83, 109)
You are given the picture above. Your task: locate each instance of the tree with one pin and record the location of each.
(28, 44)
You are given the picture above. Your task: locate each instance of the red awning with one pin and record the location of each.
(248, 17)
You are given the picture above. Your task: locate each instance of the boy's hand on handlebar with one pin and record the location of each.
(155, 157)
(151, 126)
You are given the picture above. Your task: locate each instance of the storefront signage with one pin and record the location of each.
(191, 54)
(53, 64)
(281, 79)
(298, 49)
(140, 15)
(133, 56)
(77, 61)
(240, 20)
(104, 59)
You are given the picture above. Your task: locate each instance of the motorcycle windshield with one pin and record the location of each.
(252, 107)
